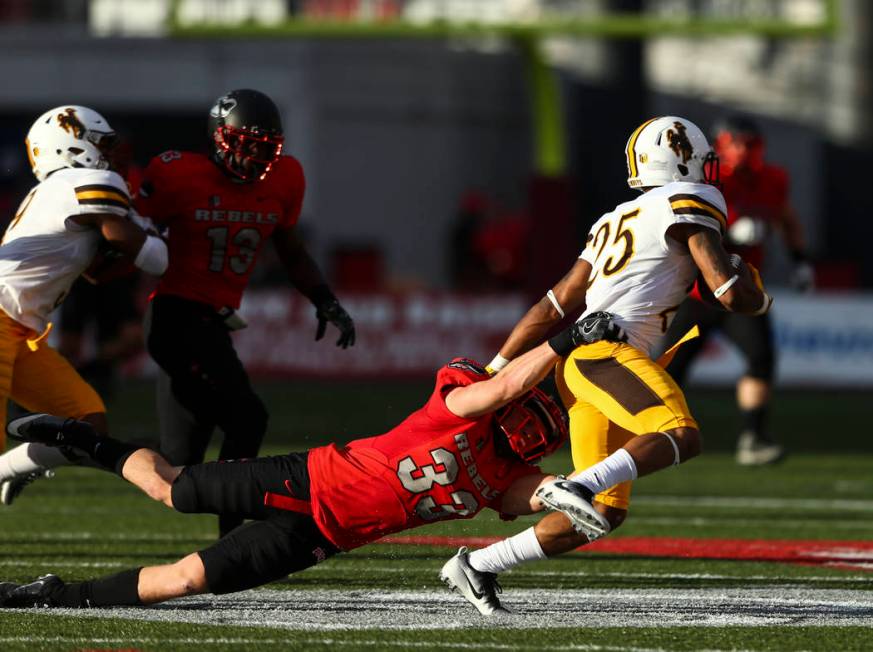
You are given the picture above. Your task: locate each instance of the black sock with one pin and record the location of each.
(753, 421)
(112, 454)
(119, 590)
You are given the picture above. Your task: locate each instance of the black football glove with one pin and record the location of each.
(595, 327)
(331, 311)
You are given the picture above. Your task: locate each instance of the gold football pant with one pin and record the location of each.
(39, 378)
(614, 392)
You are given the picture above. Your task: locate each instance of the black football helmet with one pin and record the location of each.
(245, 131)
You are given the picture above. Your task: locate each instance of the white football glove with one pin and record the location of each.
(803, 277)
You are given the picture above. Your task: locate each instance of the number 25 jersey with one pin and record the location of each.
(639, 273)
(432, 466)
(216, 225)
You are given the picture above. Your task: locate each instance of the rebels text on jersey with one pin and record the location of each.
(217, 225)
(433, 466)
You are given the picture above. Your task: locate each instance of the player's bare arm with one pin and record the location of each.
(566, 297)
(517, 377)
(521, 499)
(704, 245)
(148, 252)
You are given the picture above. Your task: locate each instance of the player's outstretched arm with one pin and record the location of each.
(519, 376)
(305, 275)
(527, 370)
(566, 297)
(737, 288)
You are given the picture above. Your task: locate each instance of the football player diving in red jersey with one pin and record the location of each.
(756, 193)
(472, 445)
(220, 209)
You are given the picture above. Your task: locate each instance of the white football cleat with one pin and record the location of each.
(754, 451)
(574, 500)
(478, 588)
(12, 487)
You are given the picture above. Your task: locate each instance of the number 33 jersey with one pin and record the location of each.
(639, 273)
(433, 466)
(216, 225)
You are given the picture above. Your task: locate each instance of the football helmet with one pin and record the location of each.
(69, 137)
(533, 424)
(667, 149)
(245, 132)
(739, 143)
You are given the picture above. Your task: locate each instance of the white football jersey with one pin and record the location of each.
(43, 251)
(639, 273)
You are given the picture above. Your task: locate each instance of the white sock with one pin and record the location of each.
(618, 467)
(27, 458)
(507, 553)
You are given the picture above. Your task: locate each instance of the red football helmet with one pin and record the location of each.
(534, 425)
(739, 143)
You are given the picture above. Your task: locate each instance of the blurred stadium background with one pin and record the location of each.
(456, 153)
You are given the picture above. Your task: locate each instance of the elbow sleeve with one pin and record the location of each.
(153, 257)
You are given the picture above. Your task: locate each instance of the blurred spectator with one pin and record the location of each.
(756, 193)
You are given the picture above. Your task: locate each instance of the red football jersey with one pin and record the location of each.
(433, 466)
(216, 225)
(761, 195)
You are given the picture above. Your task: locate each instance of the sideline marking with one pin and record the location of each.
(414, 611)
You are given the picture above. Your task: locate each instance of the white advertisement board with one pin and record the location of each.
(822, 340)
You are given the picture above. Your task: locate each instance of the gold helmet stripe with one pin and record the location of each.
(631, 143)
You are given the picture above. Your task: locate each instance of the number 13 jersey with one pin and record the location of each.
(639, 273)
(216, 225)
(432, 466)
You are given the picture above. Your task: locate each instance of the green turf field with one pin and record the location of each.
(83, 523)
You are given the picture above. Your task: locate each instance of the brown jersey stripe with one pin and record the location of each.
(105, 201)
(622, 384)
(696, 198)
(92, 191)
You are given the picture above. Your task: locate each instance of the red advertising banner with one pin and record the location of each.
(398, 335)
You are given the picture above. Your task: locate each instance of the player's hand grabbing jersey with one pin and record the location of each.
(44, 251)
(217, 226)
(639, 274)
(432, 466)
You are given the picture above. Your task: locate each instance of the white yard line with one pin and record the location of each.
(349, 611)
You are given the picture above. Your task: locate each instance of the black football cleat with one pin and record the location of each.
(48, 429)
(5, 589)
(39, 593)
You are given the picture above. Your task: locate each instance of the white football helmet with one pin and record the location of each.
(68, 137)
(667, 149)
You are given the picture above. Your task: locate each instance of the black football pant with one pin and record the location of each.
(753, 336)
(277, 543)
(206, 385)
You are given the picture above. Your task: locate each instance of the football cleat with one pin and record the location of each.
(478, 588)
(47, 429)
(574, 500)
(11, 488)
(755, 451)
(39, 593)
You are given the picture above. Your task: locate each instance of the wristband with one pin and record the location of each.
(496, 364)
(563, 343)
(152, 257)
(551, 296)
(721, 289)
